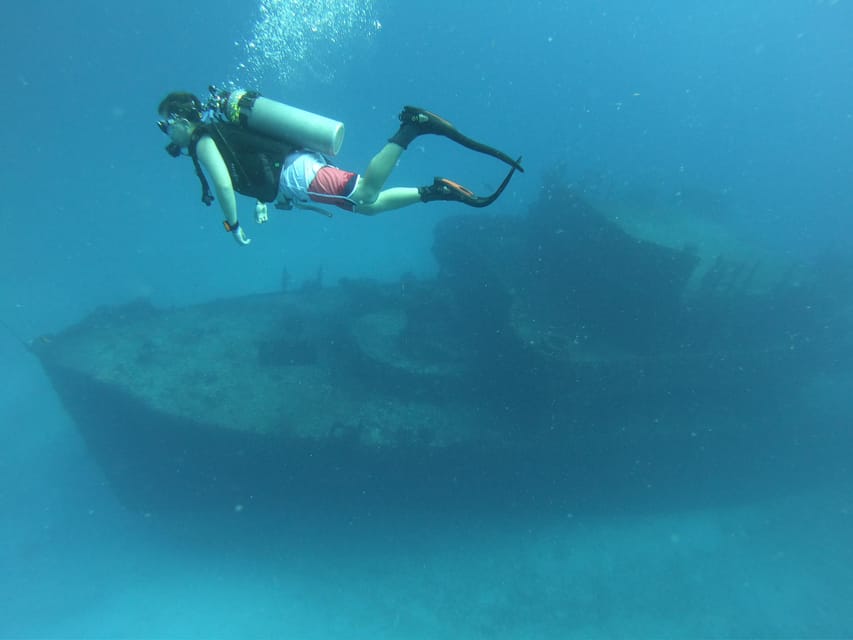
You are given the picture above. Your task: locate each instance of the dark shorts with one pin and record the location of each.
(334, 186)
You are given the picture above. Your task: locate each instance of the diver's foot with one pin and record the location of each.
(444, 189)
(447, 190)
(415, 122)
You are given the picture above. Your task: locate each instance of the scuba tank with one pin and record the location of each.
(277, 120)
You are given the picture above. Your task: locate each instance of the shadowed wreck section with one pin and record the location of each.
(558, 356)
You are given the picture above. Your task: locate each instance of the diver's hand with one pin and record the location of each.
(240, 236)
(261, 215)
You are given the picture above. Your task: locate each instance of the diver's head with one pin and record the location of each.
(180, 113)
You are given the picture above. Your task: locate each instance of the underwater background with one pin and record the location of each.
(741, 110)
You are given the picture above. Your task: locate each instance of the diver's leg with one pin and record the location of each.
(380, 167)
(413, 123)
(389, 199)
(442, 189)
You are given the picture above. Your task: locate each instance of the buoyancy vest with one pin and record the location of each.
(254, 161)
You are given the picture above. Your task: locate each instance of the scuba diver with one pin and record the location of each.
(275, 153)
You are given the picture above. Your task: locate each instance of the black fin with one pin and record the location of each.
(479, 147)
(416, 121)
(485, 201)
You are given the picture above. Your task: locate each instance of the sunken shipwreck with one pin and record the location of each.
(564, 353)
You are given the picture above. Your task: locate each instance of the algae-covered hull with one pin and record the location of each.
(246, 396)
(272, 397)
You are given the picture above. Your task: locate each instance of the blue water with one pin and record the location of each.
(751, 102)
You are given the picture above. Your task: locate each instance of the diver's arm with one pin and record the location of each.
(213, 164)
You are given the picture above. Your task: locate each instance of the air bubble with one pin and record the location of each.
(305, 37)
